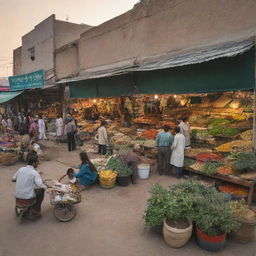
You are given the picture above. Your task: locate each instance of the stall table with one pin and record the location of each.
(230, 179)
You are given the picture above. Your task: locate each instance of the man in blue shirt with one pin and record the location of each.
(164, 142)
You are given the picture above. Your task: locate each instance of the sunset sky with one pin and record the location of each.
(18, 17)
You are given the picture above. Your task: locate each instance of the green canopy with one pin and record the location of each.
(6, 96)
(218, 75)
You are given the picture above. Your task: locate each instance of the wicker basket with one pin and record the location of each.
(107, 183)
(9, 158)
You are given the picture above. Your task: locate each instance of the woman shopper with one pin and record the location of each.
(87, 174)
(102, 138)
(178, 147)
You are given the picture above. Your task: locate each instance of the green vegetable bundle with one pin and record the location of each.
(244, 161)
(210, 168)
(116, 164)
(224, 131)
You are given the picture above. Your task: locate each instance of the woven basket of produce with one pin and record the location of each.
(9, 158)
(107, 178)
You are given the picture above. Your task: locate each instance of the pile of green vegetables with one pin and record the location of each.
(244, 161)
(116, 164)
(210, 168)
(219, 127)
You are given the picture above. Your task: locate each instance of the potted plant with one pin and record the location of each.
(123, 171)
(247, 219)
(214, 219)
(156, 204)
(177, 228)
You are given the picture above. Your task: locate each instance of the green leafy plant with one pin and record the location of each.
(244, 161)
(213, 214)
(116, 164)
(210, 168)
(224, 131)
(156, 206)
(191, 201)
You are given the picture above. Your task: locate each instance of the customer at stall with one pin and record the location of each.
(41, 124)
(9, 125)
(185, 130)
(70, 130)
(59, 127)
(178, 146)
(102, 137)
(164, 142)
(34, 130)
(87, 174)
(4, 124)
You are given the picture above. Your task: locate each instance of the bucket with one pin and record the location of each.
(143, 171)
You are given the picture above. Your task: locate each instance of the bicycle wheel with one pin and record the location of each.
(64, 212)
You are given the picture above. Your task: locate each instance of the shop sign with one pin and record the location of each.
(27, 81)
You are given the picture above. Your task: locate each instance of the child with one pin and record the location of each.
(71, 176)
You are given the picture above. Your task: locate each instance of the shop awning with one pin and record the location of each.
(7, 96)
(226, 66)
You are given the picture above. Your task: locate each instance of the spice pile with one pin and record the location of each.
(149, 134)
(208, 157)
(224, 170)
(234, 190)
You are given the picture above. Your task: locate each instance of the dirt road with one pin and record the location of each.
(108, 222)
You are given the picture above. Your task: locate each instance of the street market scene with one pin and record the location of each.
(133, 136)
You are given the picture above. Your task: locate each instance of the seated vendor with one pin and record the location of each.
(131, 159)
(87, 174)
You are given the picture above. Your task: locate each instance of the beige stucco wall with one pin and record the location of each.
(66, 32)
(17, 61)
(66, 61)
(42, 38)
(160, 26)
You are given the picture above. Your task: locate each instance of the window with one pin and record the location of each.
(31, 53)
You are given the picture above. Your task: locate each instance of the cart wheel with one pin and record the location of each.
(64, 212)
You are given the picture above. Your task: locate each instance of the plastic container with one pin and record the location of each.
(143, 171)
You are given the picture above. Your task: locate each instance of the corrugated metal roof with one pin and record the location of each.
(168, 60)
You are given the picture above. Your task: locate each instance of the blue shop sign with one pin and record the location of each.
(27, 81)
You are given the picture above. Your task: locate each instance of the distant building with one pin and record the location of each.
(39, 45)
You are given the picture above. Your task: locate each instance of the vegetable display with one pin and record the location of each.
(149, 134)
(107, 174)
(117, 165)
(224, 170)
(208, 157)
(234, 190)
(210, 168)
(223, 131)
(245, 161)
(236, 146)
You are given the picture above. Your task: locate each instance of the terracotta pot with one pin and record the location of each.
(176, 237)
(210, 243)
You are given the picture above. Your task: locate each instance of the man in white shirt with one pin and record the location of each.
(29, 184)
(102, 138)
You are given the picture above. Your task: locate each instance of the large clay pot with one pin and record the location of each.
(210, 243)
(247, 231)
(176, 237)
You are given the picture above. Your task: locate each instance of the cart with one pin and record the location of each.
(64, 202)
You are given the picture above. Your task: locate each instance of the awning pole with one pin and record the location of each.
(254, 100)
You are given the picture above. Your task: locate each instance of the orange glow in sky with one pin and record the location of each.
(18, 17)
